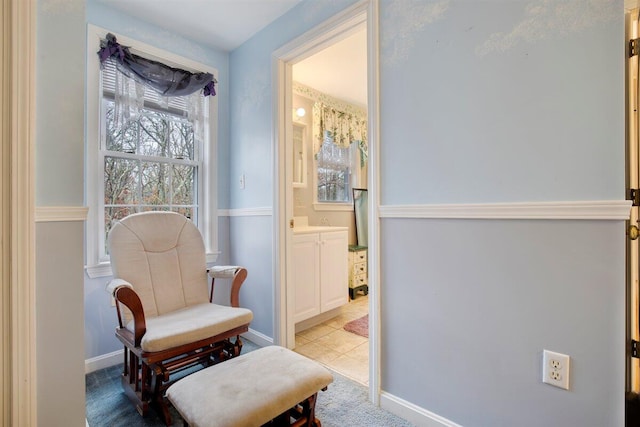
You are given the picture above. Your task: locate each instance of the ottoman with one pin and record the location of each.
(271, 385)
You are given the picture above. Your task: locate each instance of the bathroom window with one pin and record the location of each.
(335, 166)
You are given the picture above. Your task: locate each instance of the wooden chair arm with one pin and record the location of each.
(131, 300)
(237, 275)
(238, 280)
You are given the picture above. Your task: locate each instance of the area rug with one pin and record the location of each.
(345, 403)
(359, 326)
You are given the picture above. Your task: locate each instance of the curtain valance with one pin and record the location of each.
(166, 80)
(132, 75)
(344, 128)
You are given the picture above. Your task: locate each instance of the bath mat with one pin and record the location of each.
(359, 326)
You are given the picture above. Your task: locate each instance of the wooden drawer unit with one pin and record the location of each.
(359, 268)
(358, 271)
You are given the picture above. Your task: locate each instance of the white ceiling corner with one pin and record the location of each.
(221, 24)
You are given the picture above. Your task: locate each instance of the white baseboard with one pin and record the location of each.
(413, 413)
(259, 338)
(103, 361)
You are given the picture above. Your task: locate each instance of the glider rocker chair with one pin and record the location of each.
(167, 319)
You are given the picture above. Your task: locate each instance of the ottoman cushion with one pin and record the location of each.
(248, 390)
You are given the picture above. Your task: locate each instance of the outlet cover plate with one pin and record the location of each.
(555, 369)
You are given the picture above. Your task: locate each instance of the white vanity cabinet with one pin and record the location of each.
(320, 270)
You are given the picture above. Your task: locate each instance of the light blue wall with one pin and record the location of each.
(59, 163)
(59, 324)
(468, 307)
(251, 246)
(519, 101)
(60, 64)
(481, 102)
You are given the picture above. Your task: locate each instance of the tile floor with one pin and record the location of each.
(342, 351)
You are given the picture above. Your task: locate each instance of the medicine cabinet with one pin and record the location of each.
(299, 155)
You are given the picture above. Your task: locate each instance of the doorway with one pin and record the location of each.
(338, 28)
(330, 85)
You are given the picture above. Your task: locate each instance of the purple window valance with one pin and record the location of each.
(166, 80)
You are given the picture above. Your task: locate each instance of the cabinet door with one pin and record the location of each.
(334, 269)
(306, 276)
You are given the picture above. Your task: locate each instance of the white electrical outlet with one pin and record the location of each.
(555, 369)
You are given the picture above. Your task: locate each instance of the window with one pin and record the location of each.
(334, 166)
(340, 151)
(147, 158)
(151, 161)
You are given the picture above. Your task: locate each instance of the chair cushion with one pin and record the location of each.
(162, 255)
(191, 324)
(248, 390)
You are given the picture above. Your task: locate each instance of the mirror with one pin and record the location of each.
(299, 156)
(360, 208)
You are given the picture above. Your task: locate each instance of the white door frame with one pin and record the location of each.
(300, 48)
(632, 364)
(17, 217)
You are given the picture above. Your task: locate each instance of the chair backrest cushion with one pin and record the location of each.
(163, 256)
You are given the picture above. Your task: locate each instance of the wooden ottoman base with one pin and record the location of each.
(271, 386)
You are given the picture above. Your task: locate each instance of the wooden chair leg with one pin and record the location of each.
(305, 413)
(309, 409)
(281, 420)
(232, 349)
(159, 402)
(125, 363)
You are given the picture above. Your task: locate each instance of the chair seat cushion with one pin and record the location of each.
(191, 324)
(248, 390)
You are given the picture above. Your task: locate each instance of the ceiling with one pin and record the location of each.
(222, 24)
(339, 71)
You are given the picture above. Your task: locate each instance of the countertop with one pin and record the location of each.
(306, 229)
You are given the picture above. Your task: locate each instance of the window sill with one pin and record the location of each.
(333, 207)
(103, 269)
(99, 270)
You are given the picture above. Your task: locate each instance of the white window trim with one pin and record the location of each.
(208, 216)
(328, 206)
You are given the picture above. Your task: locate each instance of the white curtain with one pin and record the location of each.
(130, 95)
